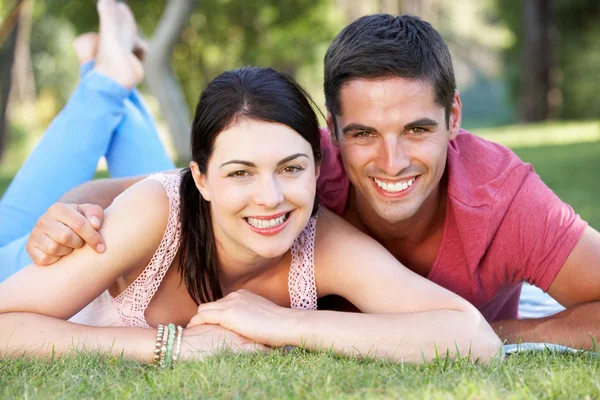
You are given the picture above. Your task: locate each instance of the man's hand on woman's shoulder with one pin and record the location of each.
(63, 228)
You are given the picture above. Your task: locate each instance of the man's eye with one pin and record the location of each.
(238, 174)
(418, 131)
(363, 134)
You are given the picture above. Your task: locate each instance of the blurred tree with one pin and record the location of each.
(219, 35)
(9, 30)
(571, 88)
(160, 77)
(537, 61)
(579, 57)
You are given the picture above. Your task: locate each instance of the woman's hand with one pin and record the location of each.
(247, 314)
(204, 340)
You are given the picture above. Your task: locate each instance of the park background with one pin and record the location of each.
(527, 71)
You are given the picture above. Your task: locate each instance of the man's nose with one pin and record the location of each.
(394, 157)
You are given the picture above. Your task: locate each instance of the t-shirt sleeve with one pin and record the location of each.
(333, 184)
(538, 230)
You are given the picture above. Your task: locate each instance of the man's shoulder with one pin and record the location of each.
(333, 185)
(481, 173)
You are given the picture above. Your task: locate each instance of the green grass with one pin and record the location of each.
(303, 375)
(567, 157)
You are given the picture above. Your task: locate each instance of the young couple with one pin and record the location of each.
(236, 249)
(465, 213)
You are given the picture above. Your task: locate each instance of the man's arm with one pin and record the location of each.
(100, 192)
(75, 219)
(577, 287)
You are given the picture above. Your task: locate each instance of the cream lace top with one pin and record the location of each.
(127, 309)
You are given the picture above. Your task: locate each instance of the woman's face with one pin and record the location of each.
(261, 183)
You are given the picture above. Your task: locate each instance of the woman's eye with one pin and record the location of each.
(238, 174)
(292, 169)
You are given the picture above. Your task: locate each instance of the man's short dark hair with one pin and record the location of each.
(384, 46)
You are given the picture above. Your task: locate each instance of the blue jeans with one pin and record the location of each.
(101, 118)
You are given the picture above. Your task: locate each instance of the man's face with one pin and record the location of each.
(393, 139)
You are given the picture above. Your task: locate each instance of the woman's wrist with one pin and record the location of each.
(288, 331)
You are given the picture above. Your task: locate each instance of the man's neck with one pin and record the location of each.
(411, 232)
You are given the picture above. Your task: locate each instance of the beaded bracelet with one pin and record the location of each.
(170, 343)
(158, 345)
(178, 344)
(163, 348)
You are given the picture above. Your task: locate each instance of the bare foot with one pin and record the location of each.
(86, 47)
(140, 48)
(118, 35)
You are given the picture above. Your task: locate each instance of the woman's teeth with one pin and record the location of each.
(394, 187)
(267, 223)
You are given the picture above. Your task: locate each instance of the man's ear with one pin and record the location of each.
(331, 127)
(199, 180)
(455, 117)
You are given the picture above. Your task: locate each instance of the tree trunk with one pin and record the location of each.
(354, 9)
(160, 77)
(391, 7)
(538, 61)
(23, 81)
(7, 57)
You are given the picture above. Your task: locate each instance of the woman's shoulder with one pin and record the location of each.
(331, 228)
(338, 242)
(147, 204)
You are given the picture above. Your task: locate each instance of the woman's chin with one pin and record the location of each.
(274, 251)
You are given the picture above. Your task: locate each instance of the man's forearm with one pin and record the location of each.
(102, 192)
(577, 327)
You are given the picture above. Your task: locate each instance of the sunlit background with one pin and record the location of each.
(532, 62)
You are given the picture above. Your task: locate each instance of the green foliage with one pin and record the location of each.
(303, 375)
(579, 56)
(578, 53)
(221, 34)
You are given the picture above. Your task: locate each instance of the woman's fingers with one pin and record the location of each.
(207, 316)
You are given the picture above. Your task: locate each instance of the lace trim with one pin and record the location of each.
(131, 304)
(301, 282)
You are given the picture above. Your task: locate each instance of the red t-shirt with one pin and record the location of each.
(503, 225)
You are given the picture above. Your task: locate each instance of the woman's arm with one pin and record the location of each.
(133, 229)
(406, 317)
(39, 335)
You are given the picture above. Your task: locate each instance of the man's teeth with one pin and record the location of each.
(394, 187)
(266, 223)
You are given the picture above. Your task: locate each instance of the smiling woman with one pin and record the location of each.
(241, 228)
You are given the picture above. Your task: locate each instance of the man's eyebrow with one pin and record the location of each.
(290, 158)
(357, 127)
(421, 122)
(252, 165)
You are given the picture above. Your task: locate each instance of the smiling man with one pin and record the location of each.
(463, 212)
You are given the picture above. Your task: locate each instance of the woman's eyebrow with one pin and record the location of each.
(251, 164)
(246, 163)
(290, 158)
